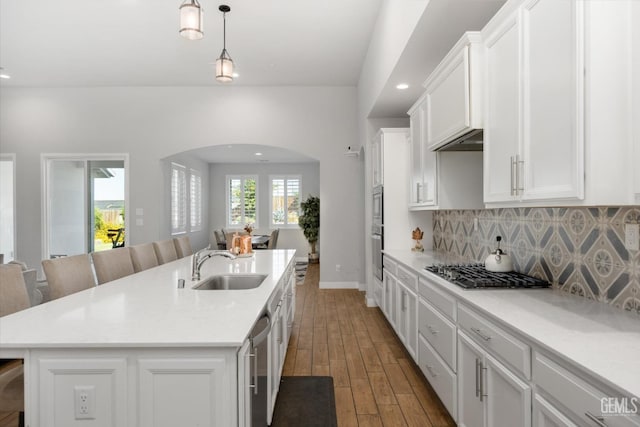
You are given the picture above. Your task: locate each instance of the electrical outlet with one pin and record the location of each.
(85, 402)
(632, 237)
(338, 267)
(475, 224)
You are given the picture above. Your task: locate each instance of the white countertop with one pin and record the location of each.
(147, 309)
(599, 339)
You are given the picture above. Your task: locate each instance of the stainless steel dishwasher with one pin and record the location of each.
(259, 370)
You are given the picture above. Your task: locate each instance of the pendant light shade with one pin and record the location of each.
(224, 63)
(191, 20)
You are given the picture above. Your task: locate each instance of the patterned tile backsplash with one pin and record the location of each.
(579, 250)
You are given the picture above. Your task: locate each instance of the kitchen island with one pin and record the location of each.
(149, 353)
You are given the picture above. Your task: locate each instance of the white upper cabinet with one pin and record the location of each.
(533, 141)
(377, 177)
(441, 180)
(502, 124)
(558, 127)
(454, 93)
(636, 95)
(553, 141)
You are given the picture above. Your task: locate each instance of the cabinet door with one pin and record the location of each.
(502, 117)
(244, 385)
(273, 382)
(376, 161)
(508, 397)
(448, 101)
(547, 415)
(390, 299)
(553, 144)
(411, 315)
(470, 400)
(429, 177)
(407, 324)
(416, 126)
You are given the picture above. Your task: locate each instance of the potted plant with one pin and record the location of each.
(309, 221)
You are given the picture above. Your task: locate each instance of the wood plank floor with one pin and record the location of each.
(376, 382)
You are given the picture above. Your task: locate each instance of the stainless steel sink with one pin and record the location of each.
(230, 282)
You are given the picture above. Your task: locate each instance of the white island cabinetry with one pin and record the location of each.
(147, 353)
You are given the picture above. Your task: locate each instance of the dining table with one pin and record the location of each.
(259, 240)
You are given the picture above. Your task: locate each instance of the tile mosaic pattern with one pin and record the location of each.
(579, 250)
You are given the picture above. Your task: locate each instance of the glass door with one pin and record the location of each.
(84, 206)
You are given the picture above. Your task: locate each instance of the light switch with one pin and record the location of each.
(139, 211)
(139, 222)
(632, 236)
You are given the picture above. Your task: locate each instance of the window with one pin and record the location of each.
(285, 200)
(242, 200)
(195, 200)
(178, 199)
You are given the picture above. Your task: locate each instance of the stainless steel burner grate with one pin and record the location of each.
(475, 276)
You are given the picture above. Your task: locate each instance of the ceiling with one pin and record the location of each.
(136, 42)
(86, 43)
(246, 153)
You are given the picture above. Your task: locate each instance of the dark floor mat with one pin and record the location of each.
(305, 401)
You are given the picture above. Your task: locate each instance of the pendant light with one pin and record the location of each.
(191, 20)
(224, 63)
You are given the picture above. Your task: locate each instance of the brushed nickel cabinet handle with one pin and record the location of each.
(512, 164)
(596, 419)
(433, 331)
(479, 332)
(430, 369)
(477, 377)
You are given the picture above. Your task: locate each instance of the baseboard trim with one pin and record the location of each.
(338, 285)
(370, 302)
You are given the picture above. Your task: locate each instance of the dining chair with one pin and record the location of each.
(13, 297)
(112, 264)
(68, 275)
(165, 251)
(143, 257)
(183, 246)
(273, 240)
(220, 239)
(13, 290)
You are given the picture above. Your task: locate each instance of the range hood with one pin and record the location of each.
(470, 141)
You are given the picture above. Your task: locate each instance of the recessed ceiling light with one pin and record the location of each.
(258, 154)
(402, 86)
(4, 75)
(236, 75)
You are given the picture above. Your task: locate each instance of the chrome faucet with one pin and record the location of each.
(197, 259)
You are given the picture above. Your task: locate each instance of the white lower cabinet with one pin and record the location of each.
(276, 360)
(582, 400)
(545, 414)
(489, 394)
(244, 384)
(406, 322)
(440, 376)
(389, 298)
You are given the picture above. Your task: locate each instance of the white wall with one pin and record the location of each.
(152, 123)
(7, 214)
(290, 238)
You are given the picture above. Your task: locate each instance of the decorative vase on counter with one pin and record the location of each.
(417, 235)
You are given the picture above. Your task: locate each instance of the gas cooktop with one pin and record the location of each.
(475, 276)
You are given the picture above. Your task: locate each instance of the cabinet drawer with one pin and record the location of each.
(407, 277)
(438, 331)
(578, 395)
(441, 378)
(390, 265)
(439, 299)
(502, 344)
